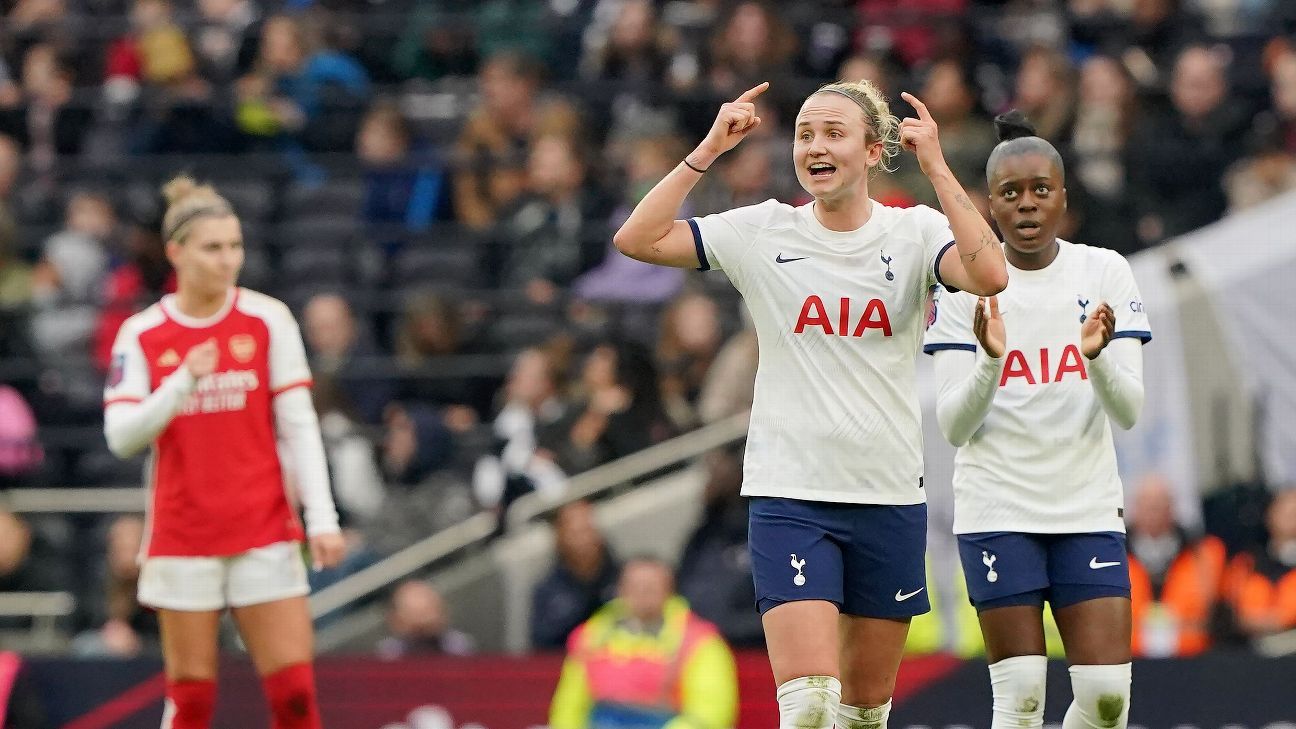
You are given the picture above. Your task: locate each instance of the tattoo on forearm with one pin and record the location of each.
(656, 248)
(985, 241)
(965, 203)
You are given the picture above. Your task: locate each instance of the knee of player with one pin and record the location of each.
(296, 699)
(1017, 684)
(809, 703)
(291, 691)
(1028, 697)
(1029, 704)
(191, 701)
(1108, 709)
(1102, 694)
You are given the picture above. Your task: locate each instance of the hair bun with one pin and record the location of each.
(179, 188)
(188, 200)
(1013, 125)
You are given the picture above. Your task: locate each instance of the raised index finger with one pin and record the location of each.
(753, 92)
(918, 106)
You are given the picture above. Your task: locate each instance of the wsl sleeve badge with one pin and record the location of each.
(117, 370)
(933, 303)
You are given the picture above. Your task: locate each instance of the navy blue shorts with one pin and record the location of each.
(1016, 568)
(869, 560)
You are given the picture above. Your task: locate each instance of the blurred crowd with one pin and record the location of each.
(1224, 584)
(432, 185)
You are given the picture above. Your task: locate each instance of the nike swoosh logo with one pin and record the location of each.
(901, 597)
(1094, 564)
(780, 259)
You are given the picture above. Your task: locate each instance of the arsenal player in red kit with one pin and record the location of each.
(213, 378)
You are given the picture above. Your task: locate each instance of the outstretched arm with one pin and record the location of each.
(979, 268)
(651, 233)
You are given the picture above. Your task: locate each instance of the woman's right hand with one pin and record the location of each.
(989, 328)
(201, 359)
(735, 121)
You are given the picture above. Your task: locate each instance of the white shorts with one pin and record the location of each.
(265, 574)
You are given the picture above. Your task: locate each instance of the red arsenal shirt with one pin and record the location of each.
(216, 485)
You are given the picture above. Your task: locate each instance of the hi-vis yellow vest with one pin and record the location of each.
(684, 669)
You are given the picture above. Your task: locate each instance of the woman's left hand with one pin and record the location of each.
(327, 550)
(1097, 331)
(921, 136)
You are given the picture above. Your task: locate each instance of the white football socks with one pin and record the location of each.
(1102, 697)
(809, 703)
(1017, 687)
(858, 717)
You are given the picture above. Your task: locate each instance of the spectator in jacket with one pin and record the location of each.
(583, 579)
(1177, 160)
(418, 623)
(1175, 577)
(1262, 583)
(646, 660)
(715, 570)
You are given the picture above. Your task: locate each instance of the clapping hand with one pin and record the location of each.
(1097, 330)
(989, 327)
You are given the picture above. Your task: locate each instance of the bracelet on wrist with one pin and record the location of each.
(691, 166)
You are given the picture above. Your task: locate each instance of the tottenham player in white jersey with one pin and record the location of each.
(1029, 384)
(837, 290)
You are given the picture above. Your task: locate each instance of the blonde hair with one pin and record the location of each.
(883, 126)
(188, 201)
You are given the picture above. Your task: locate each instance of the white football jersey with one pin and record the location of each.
(838, 317)
(1043, 460)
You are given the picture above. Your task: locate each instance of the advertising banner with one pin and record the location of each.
(1213, 692)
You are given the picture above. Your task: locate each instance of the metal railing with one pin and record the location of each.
(403, 563)
(622, 470)
(45, 609)
(435, 547)
(98, 500)
(36, 604)
(479, 527)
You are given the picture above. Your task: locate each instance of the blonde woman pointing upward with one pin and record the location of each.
(837, 291)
